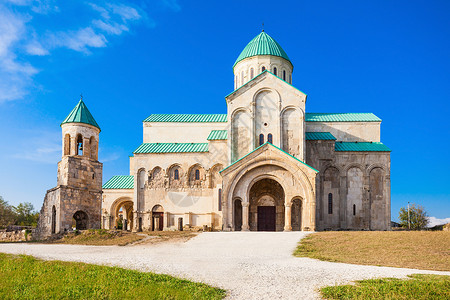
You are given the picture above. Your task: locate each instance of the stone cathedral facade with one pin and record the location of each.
(265, 165)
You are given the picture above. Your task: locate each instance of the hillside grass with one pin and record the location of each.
(427, 250)
(418, 287)
(25, 277)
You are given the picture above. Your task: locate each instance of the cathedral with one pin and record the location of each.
(265, 165)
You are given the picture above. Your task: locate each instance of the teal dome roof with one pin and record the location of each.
(81, 114)
(262, 44)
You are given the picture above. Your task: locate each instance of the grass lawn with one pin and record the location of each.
(418, 287)
(100, 237)
(24, 277)
(428, 250)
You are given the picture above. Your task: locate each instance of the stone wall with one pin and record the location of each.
(357, 183)
(15, 236)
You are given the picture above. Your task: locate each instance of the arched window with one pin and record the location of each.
(79, 150)
(330, 203)
(263, 69)
(354, 209)
(261, 139)
(197, 174)
(284, 75)
(220, 199)
(242, 78)
(176, 174)
(275, 71)
(251, 73)
(269, 138)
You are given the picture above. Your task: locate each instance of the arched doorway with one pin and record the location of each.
(157, 218)
(53, 219)
(266, 212)
(296, 214)
(237, 215)
(80, 218)
(122, 212)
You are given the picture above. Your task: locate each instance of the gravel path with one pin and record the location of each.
(249, 265)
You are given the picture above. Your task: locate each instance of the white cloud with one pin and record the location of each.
(435, 221)
(18, 37)
(48, 152)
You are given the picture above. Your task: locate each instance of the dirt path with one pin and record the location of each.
(249, 265)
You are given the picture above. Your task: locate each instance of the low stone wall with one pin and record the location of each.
(14, 236)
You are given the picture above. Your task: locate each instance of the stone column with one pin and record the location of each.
(166, 220)
(245, 226)
(287, 217)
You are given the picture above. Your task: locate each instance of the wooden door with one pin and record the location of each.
(266, 218)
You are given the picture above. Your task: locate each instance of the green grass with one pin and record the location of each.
(418, 287)
(25, 277)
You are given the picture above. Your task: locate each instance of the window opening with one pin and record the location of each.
(269, 138)
(330, 203)
(197, 174)
(176, 174)
(261, 139)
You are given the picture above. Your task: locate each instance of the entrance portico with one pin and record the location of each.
(273, 188)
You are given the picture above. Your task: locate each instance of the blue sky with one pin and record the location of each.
(134, 58)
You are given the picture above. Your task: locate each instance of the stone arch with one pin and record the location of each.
(79, 147)
(354, 165)
(121, 210)
(290, 176)
(156, 177)
(172, 174)
(67, 144)
(81, 220)
(237, 214)
(296, 213)
(157, 218)
(196, 171)
(240, 133)
(214, 176)
(373, 166)
(266, 205)
(53, 220)
(376, 197)
(331, 184)
(355, 196)
(292, 130)
(265, 114)
(93, 147)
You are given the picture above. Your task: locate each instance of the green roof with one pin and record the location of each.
(81, 114)
(120, 182)
(262, 44)
(361, 147)
(215, 135)
(341, 117)
(188, 118)
(314, 136)
(171, 148)
(222, 118)
(272, 146)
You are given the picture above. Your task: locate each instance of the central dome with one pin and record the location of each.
(262, 44)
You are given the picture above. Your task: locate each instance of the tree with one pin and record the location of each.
(7, 214)
(25, 214)
(418, 218)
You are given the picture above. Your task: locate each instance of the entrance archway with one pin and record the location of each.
(81, 220)
(157, 218)
(266, 212)
(122, 211)
(237, 215)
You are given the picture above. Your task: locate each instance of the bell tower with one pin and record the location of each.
(75, 203)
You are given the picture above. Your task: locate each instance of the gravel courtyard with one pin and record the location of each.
(249, 265)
